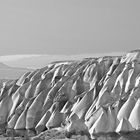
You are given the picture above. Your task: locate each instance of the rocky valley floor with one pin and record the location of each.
(95, 98)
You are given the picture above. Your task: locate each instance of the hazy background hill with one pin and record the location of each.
(8, 72)
(34, 61)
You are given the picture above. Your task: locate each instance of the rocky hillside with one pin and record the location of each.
(83, 99)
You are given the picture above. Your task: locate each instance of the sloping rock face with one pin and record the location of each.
(84, 98)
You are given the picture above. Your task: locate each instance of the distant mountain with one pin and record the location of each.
(7, 72)
(39, 61)
(3, 66)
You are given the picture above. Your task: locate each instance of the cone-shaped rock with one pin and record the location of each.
(93, 117)
(131, 79)
(75, 104)
(18, 96)
(14, 118)
(78, 86)
(126, 109)
(37, 75)
(105, 100)
(23, 89)
(21, 106)
(12, 122)
(31, 74)
(22, 78)
(57, 73)
(34, 111)
(91, 109)
(81, 108)
(42, 123)
(55, 120)
(124, 126)
(134, 118)
(112, 119)
(15, 98)
(135, 93)
(67, 107)
(101, 124)
(21, 122)
(76, 124)
(31, 89)
(5, 107)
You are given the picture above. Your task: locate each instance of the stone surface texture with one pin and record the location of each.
(95, 98)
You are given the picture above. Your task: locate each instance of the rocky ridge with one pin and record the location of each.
(77, 99)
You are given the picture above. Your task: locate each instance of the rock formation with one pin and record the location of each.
(87, 97)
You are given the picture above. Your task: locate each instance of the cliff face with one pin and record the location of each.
(91, 96)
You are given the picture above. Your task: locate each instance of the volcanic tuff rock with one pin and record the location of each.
(76, 98)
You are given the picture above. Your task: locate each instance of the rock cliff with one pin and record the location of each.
(88, 97)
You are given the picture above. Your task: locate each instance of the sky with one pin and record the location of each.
(68, 27)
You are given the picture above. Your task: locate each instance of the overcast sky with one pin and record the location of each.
(69, 26)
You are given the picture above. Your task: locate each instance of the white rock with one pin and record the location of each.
(126, 109)
(124, 126)
(101, 124)
(134, 118)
